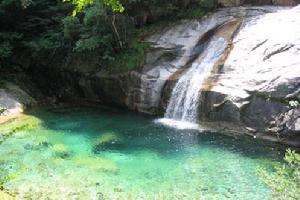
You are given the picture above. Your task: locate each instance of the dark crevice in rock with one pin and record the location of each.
(280, 50)
(259, 44)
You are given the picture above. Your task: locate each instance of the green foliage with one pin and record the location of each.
(30, 29)
(131, 59)
(43, 33)
(93, 31)
(97, 29)
(115, 5)
(7, 40)
(285, 181)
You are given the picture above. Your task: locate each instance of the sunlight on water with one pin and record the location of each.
(88, 154)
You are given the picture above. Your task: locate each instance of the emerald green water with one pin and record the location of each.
(105, 154)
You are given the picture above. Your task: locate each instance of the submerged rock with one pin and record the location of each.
(17, 125)
(108, 141)
(61, 150)
(36, 146)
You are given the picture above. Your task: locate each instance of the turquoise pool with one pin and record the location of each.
(109, 154)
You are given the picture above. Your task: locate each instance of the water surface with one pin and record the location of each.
(107, 154)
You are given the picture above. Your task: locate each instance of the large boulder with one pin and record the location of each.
(13, 100)
(260, 77)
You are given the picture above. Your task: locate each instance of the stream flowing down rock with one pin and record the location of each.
(184, 100)
(173, 50)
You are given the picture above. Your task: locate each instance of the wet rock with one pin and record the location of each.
(37, 146)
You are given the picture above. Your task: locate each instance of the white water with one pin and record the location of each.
(182, 109)
(181, 125)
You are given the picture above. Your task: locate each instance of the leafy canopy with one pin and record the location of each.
(115, 5)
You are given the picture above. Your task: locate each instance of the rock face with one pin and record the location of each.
(173, 50)
(260, 77)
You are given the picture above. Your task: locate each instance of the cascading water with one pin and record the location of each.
(182, 110)
(185, 95)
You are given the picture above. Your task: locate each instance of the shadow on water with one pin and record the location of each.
(139, 132)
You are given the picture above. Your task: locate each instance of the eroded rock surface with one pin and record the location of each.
(174, 49)
(260, 76)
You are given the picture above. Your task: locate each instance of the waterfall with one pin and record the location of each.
(182, 110)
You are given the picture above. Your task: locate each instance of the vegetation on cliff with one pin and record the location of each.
(36, 34)
(285, 180)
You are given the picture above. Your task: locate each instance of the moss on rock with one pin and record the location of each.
(108, 140)
(61, 150)
(24, 122)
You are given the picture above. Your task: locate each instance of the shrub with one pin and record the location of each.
(284, 182)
